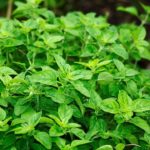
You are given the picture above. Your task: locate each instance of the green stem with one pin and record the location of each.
(145, 20)
(133, 145)
(7, 58)
(46, 3)
(37, 102)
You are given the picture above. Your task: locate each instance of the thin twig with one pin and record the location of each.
(144, 21)
(9, 9)
(133, 145)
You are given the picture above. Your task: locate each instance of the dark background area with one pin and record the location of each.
(101, 7)
(61, 7)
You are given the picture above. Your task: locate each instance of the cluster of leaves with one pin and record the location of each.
(72, 82)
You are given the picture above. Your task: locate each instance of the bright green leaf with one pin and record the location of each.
(110, 105)
(43, 138)
(105, 147)
(119, 50)
(141, 123)
(65, 113)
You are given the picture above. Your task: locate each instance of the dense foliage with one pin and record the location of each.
(72, 82)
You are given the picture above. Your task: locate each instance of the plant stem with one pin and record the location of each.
(46, 3)
(145, 20)
(9, 9)
(133, 145)
(37, 102)
(7, 58)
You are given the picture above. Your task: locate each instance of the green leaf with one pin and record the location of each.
(131, 10)
(76, 143)
(46, 120)
(141, 123)
(131, 72)
(73, 125)
(19, 109)
(11, 42)
(88, 50)
(17, 121)
(23, 129)
(56, 131)
(56, 119)
(3, 102)
(119, 50)
(105, 147)
(78, 132)
(9, 140)
(47, 76)
(31, 117)
(125, 101)
(43, 138)
(95, 100)
(120, 146)
(81, 87)
(2, 114)
(110, 105)
(103, 63)
(105, 77)
(95, 126)
(132, 88)
(81, 74)
(147, 138)
(65, 113)
(7, 71)
(109, 36)
(141, 105)
(144, 53)
(36, 146)
(125, 36)
(51, 40)
(60, 142)
(35, 118)
(120, 66)
(61, 63)
(139, 34)
(35, 1)
(56, 94)
(123, 116)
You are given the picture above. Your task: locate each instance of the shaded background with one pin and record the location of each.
(61, 7)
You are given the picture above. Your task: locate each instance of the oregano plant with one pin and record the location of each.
(72, 82)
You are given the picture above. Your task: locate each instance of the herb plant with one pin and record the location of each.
(72, 82)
